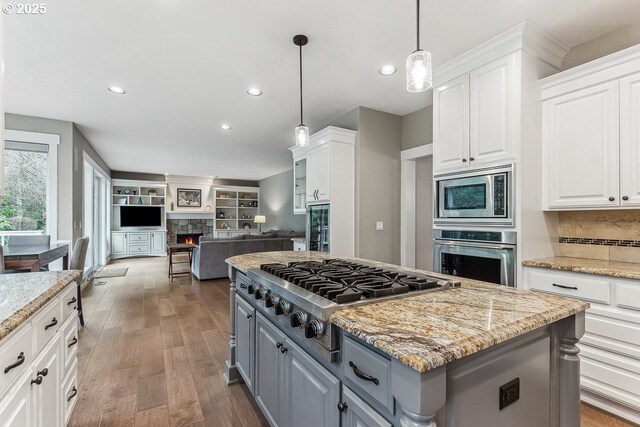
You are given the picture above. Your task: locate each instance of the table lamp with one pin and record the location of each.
(259, 219)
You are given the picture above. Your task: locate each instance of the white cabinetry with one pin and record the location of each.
(590, 134)
(39, 359)
(235, 210)
(474, 117)
(329, 164)
(138, 243)
(610, 347)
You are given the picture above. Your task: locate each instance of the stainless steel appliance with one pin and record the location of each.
(482, 197)
(318, 228)
(489, 256)
(301, 296)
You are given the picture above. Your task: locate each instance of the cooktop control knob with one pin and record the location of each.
(313, 329)
(251, 288)
(270, 300)
(259, 293)
(297, 319)
(282, 308)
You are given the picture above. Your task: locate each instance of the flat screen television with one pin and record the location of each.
(140, 216)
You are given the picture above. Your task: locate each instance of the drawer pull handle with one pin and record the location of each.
(573, 288)
(37, 381)
(19, 362)
(53, 323)
(74, 391)
(72, 301)
(362, 375)
(73, 342)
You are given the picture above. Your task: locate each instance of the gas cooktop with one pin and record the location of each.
(344, 281)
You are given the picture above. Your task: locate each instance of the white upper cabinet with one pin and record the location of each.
(474, 118)
(591, 134)
(492, 112)
(323, 173)
(451, 124)
(630, 140)
(580, 132)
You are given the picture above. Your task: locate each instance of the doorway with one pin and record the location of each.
(95, 214)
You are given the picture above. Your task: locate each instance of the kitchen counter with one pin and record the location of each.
(25, 293)
(430, 330)
(626, 270)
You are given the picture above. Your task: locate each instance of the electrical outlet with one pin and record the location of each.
(379, 226)
(509, 393)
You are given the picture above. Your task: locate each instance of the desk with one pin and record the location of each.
(35, 256)
(180, 247)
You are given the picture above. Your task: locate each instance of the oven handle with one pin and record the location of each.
(473, 244)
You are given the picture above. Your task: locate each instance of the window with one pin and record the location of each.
(24, 206)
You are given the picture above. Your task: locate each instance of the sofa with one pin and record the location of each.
(209, 257)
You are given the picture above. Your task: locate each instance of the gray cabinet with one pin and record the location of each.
(314, 391)
(291, 388)
(245, 339)
(270, 380)
(357, 413)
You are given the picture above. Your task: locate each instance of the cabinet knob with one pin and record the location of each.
(464, 160)
(37, 381)
(249, 316)
(43, 373)
(283, 349)
(471, 159)
(625, 198)
(611, 199)
(342, 406)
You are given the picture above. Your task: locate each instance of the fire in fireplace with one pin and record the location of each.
(191, 238)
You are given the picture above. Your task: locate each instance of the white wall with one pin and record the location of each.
(424, 216)
(196, 183)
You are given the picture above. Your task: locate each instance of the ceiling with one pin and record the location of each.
(186, 66)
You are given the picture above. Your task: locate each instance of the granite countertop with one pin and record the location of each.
(21, 295)
(627, 270)
(432, 329)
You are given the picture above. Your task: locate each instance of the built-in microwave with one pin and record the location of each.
(481, 197)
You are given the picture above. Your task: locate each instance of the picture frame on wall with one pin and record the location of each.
(189, 198)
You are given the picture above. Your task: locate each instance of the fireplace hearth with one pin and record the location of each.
(192, 238)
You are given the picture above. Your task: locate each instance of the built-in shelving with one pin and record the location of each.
(236, 208)
(138, 195)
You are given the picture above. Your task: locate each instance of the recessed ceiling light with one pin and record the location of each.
(387, 70)
(117, 90)
(166, 174)
(254, 91)
(225, 126)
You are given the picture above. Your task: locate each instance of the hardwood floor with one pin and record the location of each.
(152, 354)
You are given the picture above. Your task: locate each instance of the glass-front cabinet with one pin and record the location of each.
(300, 185)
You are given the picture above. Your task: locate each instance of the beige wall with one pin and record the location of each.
(424, 213)
(615, 225)
(276, 203)
(378, 146)
(417, 128)
(603, 45)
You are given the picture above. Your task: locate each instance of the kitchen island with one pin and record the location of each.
(473, 354)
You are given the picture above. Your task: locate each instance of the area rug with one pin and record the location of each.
(111, 272)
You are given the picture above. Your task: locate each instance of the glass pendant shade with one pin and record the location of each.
(302, 136)
(419, 76)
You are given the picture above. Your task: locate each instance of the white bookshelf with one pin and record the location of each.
(236, 207)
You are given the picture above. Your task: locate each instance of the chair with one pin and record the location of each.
(37, 240)
(78, 256)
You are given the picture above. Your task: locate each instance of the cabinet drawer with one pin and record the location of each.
(611, 375)
(69, 333)
(47, 323)
(299, 246)
(138, 237)
(68, 300)
(16, 350)
(627, 295)
(69, 392)
(368, 370)
(590, 288)
(139, 249)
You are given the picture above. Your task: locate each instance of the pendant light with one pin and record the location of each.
(418, 63)
(302, 131)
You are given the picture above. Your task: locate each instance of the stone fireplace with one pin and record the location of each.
(191, 238)
(183, 228)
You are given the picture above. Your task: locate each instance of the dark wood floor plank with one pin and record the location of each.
(152, 391)
(153, 417)
(184, 407)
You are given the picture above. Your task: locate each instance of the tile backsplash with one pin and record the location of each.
(609, 235)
